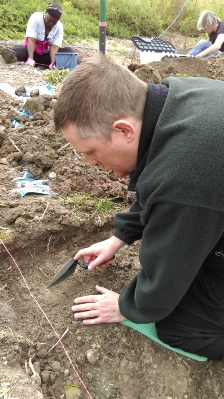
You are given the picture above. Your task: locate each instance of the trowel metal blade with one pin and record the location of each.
(64, 272)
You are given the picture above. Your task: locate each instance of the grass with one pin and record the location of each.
(5, 234)
(57, 76)
(124, 18)
(99, 207)
(72, 391)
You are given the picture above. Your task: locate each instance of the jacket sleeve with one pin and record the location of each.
(175, 242)
(127, 224)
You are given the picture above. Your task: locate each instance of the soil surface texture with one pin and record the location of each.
(39, 233)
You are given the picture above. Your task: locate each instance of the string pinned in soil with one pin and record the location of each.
(64, 333)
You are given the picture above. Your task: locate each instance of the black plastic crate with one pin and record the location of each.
(153, 44)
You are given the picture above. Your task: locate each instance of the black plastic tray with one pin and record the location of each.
(153, 44)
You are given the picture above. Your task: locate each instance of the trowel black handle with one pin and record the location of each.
(85, 266)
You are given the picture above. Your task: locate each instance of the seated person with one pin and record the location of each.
(44, 35)
(210, 23)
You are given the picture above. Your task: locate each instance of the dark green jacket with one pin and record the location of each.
(179, 180)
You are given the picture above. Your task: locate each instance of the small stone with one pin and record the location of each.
(20, 91)
(52, 377)
(52, 175)
(34, 93)
(3, 161)
(55, 366)
(89, 203)
(45, 375)
(92, 356)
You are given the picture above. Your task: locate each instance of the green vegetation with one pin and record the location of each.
(57, 75)
(4, 234)
(72, 391)
(125, 18)
(99, 206)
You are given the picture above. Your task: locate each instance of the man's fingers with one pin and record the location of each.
(92, 298)
(95, 320)
(84, 315)
(96, 309)
(102, 290)
(85, 299)
(82, 307)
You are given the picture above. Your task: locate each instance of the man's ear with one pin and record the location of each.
(126, 127)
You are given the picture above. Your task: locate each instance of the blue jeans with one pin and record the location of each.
(201, 46)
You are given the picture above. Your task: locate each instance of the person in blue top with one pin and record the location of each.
(44, 35)
(209, 22)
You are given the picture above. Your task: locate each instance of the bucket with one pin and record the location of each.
(66, 60)
(150, 56)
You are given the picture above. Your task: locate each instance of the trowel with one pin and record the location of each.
(66, 271)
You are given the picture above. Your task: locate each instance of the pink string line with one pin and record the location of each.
(36, 63)
(48, 320)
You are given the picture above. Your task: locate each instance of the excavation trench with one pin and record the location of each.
(39, 233)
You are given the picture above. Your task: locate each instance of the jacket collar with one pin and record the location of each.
(156, 97)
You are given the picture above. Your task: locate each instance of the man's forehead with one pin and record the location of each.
(81, 144)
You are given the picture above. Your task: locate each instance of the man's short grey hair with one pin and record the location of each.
(97, 93)
(207, 19)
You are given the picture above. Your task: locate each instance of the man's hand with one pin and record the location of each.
(95, 309)
(99, 254)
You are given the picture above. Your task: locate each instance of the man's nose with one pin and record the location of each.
(91, 160)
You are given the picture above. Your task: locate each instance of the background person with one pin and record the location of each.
(155, 134)
(44, 35)
(210, 23)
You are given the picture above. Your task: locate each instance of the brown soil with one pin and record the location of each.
(39, 233)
